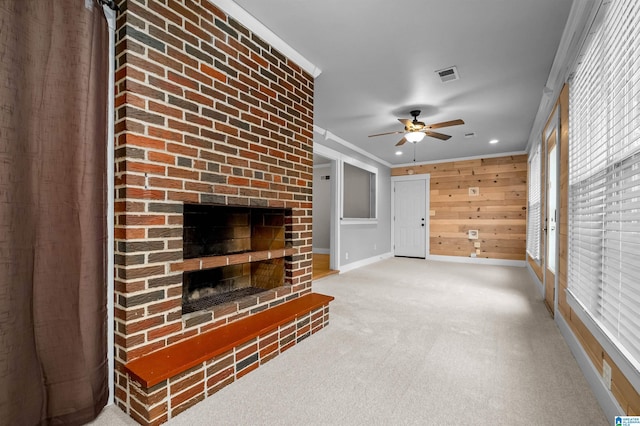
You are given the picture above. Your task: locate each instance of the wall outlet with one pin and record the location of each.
(473, 255)
(478, 251)
(476, 244)
(346, 255)
(606, 374)
(473, 234)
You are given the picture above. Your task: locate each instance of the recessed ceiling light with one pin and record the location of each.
(398, 152)
(492, 141)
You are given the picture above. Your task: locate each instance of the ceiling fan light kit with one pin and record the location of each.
(415, 131)
(414, 137)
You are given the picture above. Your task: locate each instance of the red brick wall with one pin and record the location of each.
(206, 112)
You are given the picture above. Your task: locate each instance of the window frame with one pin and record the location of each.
(604, 187)
(373, 193)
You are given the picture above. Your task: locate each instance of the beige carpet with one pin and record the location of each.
(414, 342)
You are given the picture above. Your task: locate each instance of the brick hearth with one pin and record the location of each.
(206, 113)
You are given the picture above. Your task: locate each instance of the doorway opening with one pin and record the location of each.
(324, 182)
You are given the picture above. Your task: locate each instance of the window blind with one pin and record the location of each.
(604, 178)
(533, 219)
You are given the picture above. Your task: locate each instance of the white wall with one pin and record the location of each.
(363, 241)
(322, 208)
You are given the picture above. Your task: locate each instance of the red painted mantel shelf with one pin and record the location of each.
(167, 362)
(209, 262)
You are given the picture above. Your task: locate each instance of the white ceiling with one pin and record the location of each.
(378, 62)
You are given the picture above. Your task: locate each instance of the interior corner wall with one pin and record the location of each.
(365, 241)
(497, 209)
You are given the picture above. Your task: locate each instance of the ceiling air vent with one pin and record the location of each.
(470, 135)
(448, 74)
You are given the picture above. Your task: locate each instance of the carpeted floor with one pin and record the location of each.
(414, 342)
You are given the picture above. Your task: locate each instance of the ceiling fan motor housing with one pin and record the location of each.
(417, 125)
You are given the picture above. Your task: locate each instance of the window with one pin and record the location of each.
(604, 180)
(359, 191)
(533, 219)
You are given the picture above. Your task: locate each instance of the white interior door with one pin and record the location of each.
(410, 218)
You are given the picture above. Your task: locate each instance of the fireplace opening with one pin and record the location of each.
(211, 230)
(222, 233)
(211, 287)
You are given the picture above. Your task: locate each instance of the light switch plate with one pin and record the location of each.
(473, 234)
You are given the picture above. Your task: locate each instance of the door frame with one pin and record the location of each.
(427, 178)
(336, 200)
(552, 126)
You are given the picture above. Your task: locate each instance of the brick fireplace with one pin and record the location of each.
(214, 131)
(231, 253)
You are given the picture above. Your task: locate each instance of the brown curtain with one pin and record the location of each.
(53, 108)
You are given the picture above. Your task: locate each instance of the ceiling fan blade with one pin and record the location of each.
(402, 142)
(406, 122)
(388, 133)
(437, 135)
(445, 124)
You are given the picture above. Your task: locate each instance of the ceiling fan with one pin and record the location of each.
(416, 130)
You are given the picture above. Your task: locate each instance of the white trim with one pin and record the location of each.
(554, 125)
(110, 247)
(421, 176)
(630, 369)
(365, 262)
(361, 165)
(321, 250)
(447, 160)
(579, 22)
(477, 260)
(335, 202)
(258, 28)
(355, 221)
(328, 135)
(605, 398)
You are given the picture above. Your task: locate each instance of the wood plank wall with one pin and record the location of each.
(498, 212)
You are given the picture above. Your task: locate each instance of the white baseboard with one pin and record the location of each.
(605, 398)
(477, 260)
(364, 262)
(321, 250)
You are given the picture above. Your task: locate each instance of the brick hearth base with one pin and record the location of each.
(167, 382)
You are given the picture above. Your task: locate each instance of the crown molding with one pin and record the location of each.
(581, 17)
(448, 160)
(328, 135)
